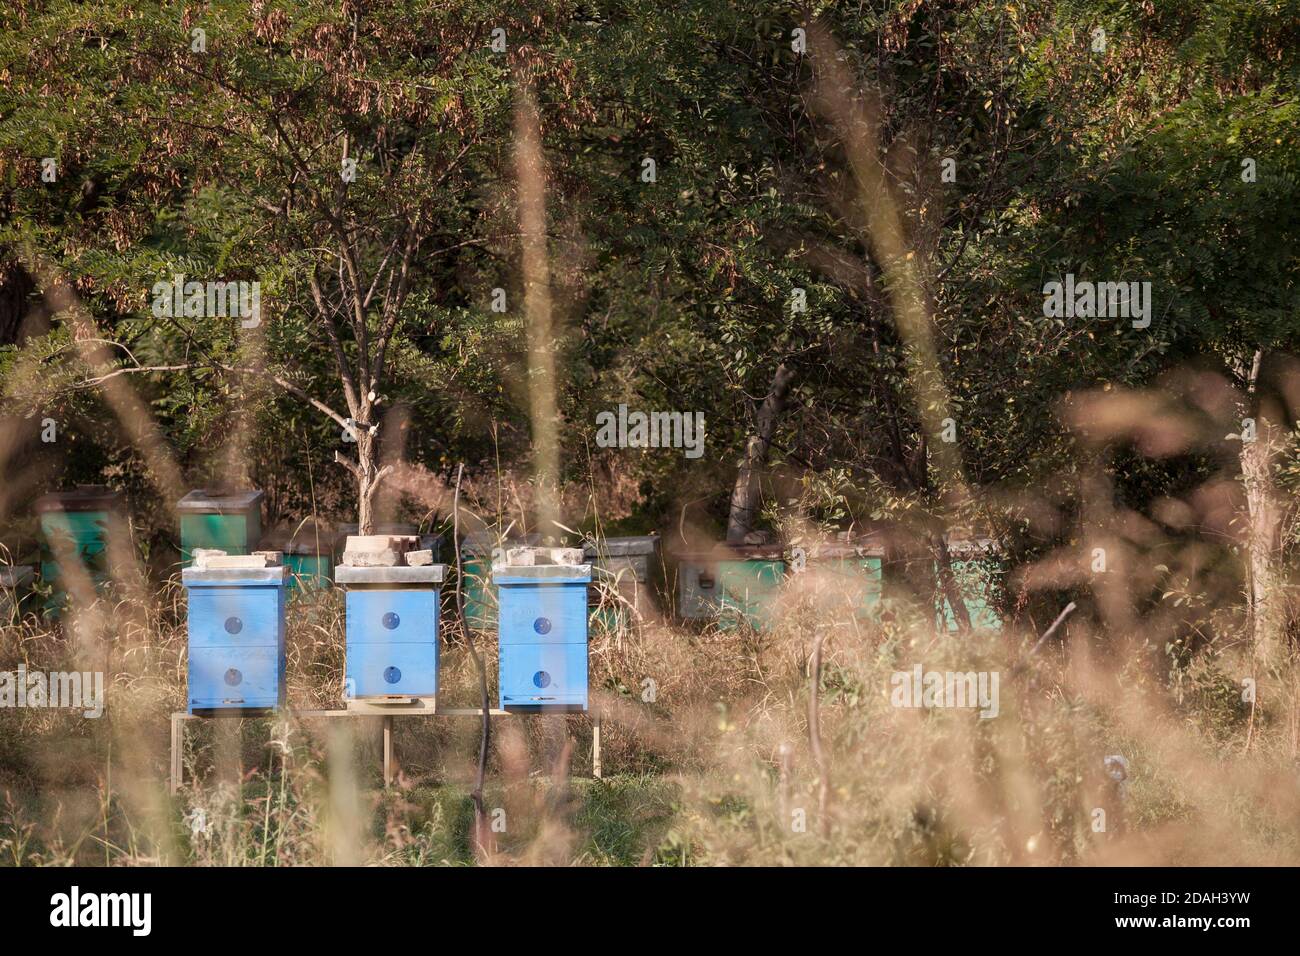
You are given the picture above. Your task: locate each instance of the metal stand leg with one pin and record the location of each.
(595, 744)
(175, 779)
(388, 751)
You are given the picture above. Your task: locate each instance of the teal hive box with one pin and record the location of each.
(542, 637)
(229, 521)
(626, 565)
(848, 574)
(309, 565)
(749, 584)
(476, 555)
(733, 585)
(975, 567)
(309, 553)
(392, 630)
(15, 588)
(236, 630)
(75, 531)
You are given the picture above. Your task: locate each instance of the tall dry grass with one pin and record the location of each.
(781, 747)
(717, 768)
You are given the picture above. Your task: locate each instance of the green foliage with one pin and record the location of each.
(1123, 163)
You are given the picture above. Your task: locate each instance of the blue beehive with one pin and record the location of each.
(392, 630)
(542, 634)
(236, 630)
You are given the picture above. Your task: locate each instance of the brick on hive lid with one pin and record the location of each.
(523, 557)
(419, 559)
(571, 557)
(203, 555)
(374, 551)
(242, 562)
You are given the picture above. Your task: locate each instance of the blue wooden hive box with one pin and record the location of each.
(236, 639)
(392, 630)
(542, 633)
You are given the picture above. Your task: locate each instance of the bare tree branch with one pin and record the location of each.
(347, 463)
(331, 330)
(130, 369)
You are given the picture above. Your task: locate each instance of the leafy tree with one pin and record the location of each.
(334, 153)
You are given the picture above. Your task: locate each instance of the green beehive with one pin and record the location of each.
(730, 584)
(310, 564)
(849, 573)
(75, 527)
(477, 588)
(309, 553)
(749, 580)
(974, 566)
(229, 521)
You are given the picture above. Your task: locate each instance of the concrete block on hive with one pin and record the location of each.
(522, 557)
(375, 550)
(419, 559)
(203, 555)
(567, 556)
(370, 542)
(241, 562)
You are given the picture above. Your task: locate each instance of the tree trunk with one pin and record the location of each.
(365, 484)
(948, 584)
(1266, 592)
(16, 303)
(368, 475)
(746, 492)
(365, 506)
